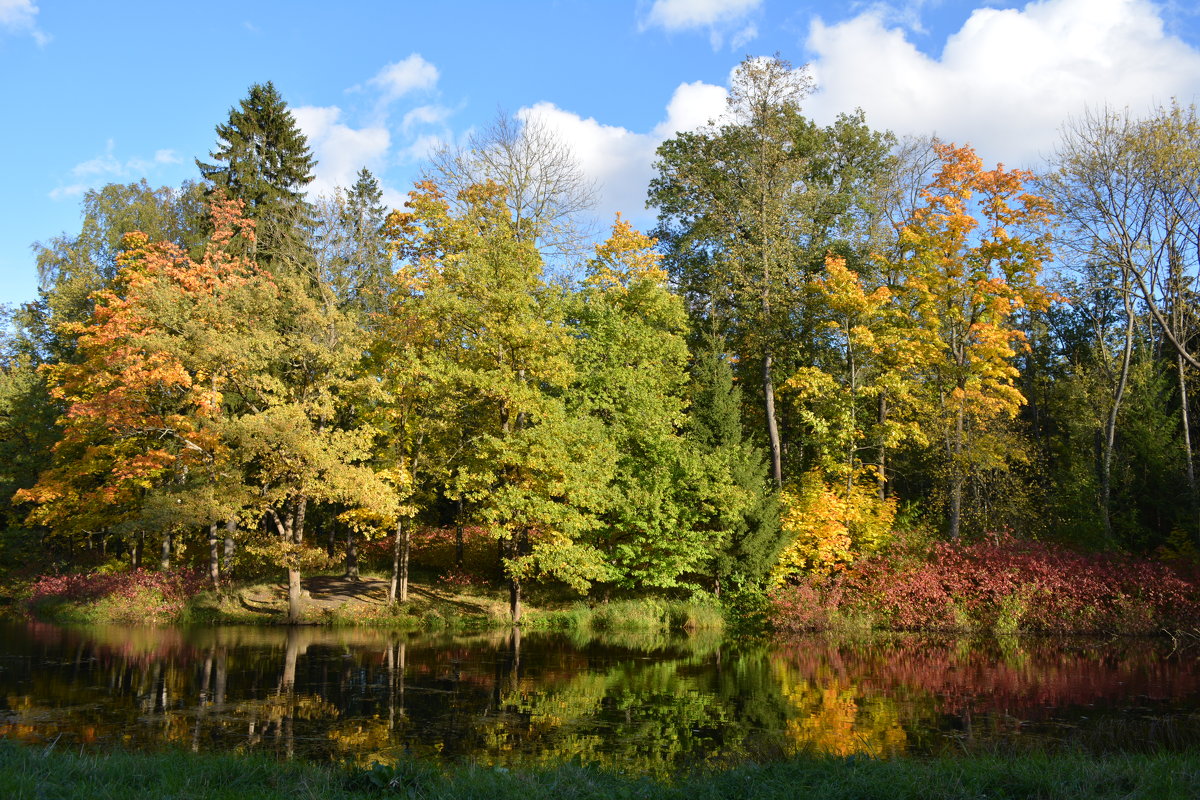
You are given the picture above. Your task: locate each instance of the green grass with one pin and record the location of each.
(28, 773)
(641, 615)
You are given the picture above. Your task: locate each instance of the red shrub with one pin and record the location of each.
(1004, 584)
(156, 596)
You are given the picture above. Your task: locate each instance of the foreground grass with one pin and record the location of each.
(28, 773)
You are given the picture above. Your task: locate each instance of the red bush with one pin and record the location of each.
(1005, 584)
(168, 592)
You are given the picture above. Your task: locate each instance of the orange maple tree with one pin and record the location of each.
(143, 401)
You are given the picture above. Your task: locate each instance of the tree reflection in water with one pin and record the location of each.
(650, 704)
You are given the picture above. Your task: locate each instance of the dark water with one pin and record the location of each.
(647, 705)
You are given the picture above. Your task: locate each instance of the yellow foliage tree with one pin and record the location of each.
(830, 527)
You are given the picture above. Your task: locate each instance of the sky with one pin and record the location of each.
(99, 92)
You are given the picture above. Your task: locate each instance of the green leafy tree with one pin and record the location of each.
(748, 209)
(502, 356)
(738, 505)
(631, 373)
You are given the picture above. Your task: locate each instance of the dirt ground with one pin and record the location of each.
(328, 592)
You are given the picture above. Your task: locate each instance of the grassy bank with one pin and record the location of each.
(156, 598)
(28, 773)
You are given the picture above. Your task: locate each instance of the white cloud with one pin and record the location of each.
(692, 106)
(720, 17)
(744, 37)
(69, 191)
(108, 168)
(1008, 78)
(675, 15)
(341, 151)
(420, 148)
(425, 115)
(20, 16)
(398, 79)
(619, 160)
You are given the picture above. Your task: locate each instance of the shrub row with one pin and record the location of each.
(1004, 585)
(135, 597)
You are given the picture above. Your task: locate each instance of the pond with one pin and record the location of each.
(650, 705)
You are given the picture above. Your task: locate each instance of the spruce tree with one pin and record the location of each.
(370, 265)
(743, 505)
(263, 160)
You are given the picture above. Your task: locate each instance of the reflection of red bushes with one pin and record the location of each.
(1004, 584)
(1029, 681)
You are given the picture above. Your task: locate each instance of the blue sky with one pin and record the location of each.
(95, 92)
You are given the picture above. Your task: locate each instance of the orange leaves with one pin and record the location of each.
(973, 256)
(144, 393)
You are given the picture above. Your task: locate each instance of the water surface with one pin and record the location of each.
(644, 704)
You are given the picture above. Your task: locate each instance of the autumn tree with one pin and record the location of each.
(971, 258)
(144, 399)
(748, 208)
(502, 357)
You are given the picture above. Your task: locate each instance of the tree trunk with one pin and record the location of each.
(881, 477)
(458, 537)
(230, 546)
(165, 561)
(291, 529)
(351, 554)
(514, 599)
(514, 581)
(956, 476)
(401, 544)
(295, 602)
(214, 562)
(1110, 427)
(773, 442)
(1185, 415)
(138, 545)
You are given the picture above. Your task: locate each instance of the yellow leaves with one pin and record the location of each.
(831, 528)
(625, 258)
(810, 382)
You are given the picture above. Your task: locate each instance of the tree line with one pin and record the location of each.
(830, 335)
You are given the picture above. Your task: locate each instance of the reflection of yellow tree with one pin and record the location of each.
(832, 715)
(363, 741)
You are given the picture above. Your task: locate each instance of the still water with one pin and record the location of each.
(648, 705)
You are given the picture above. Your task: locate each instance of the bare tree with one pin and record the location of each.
(1129, 192)
(548, 193)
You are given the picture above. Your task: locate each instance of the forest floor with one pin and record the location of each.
(336, 598)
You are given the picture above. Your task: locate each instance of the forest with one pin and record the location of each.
(835, 347)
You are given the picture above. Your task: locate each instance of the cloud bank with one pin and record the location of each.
(1008, 79)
